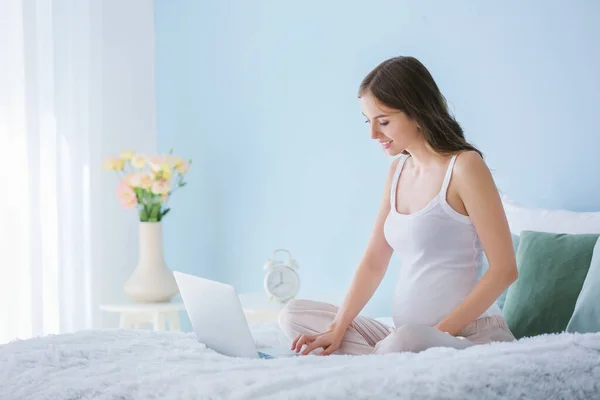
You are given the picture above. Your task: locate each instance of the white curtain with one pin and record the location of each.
(48, 83)
(76, 85)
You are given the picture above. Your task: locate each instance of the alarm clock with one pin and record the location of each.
(281, 281)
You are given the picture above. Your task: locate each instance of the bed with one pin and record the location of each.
(130, 364)
(141, 364)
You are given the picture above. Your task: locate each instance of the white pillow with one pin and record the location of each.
(522, 218)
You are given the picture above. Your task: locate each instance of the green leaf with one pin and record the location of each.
(163, 213)
(148, 199)
(139, 194)
(143, 215)
(154, 213)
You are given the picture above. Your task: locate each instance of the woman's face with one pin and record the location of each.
(391, 128)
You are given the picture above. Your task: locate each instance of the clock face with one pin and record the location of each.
(282, 282)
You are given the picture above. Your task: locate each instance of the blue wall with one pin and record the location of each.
(262, 94)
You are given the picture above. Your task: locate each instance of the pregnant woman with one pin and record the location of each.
(440, 210)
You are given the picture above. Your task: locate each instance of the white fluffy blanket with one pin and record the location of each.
(127, 364)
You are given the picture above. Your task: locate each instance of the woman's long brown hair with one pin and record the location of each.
(403, 83)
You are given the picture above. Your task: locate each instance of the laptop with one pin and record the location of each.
(218, 320)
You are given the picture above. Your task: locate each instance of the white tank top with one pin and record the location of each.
(440, 254)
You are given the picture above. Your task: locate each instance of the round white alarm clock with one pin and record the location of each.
(282, 281)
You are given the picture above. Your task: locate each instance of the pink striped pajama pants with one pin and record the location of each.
(369, 336)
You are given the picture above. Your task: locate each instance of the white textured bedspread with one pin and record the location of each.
(127, 364)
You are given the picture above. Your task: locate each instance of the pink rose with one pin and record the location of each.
(126, 194)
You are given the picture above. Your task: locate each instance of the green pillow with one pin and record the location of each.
(552, 268)
(586, 317)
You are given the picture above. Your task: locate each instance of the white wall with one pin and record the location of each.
(127, 100)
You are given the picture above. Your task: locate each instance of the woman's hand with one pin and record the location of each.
(329, 340)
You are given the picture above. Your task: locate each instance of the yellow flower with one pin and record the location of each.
(172, 160)
(166, 172)
(181, 165)
(138, 161)
(127, 155)
(113, 164)
(175, 161)
(161, 167)
(183, 168)
(161, 187)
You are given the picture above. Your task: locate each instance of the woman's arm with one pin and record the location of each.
(372, 267)
(479, 194)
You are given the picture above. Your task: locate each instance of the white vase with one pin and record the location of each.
(152, 281)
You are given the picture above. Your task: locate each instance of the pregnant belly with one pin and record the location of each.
(421, 309)
(425, 301)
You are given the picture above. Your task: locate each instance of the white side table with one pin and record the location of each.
(158, 315)
(258, 308)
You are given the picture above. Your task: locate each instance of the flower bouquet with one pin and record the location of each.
(147, 183)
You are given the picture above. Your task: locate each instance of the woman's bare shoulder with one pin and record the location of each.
(468, 162)
(470, 169)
